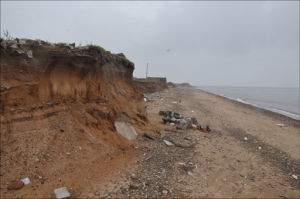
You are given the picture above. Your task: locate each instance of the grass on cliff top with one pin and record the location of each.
(99, 48)
(143, 80)
(61, 44)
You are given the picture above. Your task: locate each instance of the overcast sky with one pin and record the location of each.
(239, 43)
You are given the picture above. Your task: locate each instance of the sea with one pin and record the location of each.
(284, 101)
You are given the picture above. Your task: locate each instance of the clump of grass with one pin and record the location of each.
(61, 44)
(96, 47)
(143, 80)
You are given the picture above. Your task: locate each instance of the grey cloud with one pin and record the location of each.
(212, 43)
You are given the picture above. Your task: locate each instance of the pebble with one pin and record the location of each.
(168, 143)
(295, 177)
(15, 185)
(165, 192)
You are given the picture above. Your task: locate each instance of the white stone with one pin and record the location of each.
(125, 129)
(26, 181)
(22, 41)
(191, 174)
(62, 193)
(20, 51)
(14, 46)
(295, 177)
(29, 54)
(168, 143)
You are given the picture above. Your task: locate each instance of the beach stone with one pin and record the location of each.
(15, 185)
(62, 193)
(20, 51)
(22, 41)
(124, 128)
(165, 192)
(29, 54)
(168, 143)
(4, 44)
(14, 46)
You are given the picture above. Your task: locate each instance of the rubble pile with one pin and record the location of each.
(175, 119)
(17, 45)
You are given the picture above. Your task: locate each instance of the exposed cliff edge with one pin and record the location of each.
(58, 107)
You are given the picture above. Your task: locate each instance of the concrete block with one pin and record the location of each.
(62, 193)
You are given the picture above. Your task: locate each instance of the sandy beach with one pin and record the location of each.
(245, 155)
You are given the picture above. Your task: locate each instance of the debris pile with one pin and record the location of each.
(17, 45)
(175, 119)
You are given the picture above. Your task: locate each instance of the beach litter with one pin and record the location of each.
(245, 138)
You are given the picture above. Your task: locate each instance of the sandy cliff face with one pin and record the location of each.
(58, 109)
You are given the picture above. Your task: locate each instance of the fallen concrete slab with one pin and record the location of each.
(124, 128)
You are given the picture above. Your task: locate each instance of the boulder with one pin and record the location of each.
(124, 128)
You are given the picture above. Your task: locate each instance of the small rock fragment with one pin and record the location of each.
(14, 46)
(20, 51)
(168, 143)
(148, 136)
(29, 54)
(191, 174)
(295, 177)
(280, 125)
(15, 185)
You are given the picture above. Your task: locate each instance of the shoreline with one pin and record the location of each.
(265, 111)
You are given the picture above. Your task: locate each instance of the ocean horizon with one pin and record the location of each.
(282, 100)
